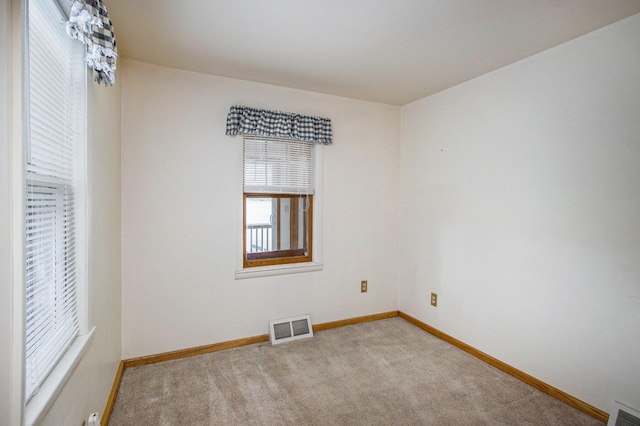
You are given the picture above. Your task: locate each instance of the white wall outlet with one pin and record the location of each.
(93, 420)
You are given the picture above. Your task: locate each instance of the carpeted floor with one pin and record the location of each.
(386, 372)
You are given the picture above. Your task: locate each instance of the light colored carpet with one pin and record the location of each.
(386, 372)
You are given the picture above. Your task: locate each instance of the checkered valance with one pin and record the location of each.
(89, 22)
(262, 122)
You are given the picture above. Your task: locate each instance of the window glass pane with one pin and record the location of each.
(260, 224)
(277, 226)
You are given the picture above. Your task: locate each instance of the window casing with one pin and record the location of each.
(278, 201)
(55, 205)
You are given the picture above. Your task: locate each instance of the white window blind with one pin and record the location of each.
(278, 166)
(55, 123)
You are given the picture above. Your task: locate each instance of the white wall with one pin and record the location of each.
(6, 295)
(520, 195)
(179, 212)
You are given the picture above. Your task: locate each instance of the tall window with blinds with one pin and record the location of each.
(54, 185)
(278, 201)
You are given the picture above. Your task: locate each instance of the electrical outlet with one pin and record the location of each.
(363, 286)
(94, 420)
(434, 299)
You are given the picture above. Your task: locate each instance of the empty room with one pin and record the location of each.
(330, 212)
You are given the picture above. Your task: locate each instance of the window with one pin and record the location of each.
(54, 202)
(278, 229)
(278, 187)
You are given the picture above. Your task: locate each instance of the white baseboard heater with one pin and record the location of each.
(288, 329)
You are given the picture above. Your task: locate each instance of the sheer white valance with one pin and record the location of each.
(260, 122)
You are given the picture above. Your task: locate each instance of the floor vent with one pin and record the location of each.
(621, 415)
(288, 329)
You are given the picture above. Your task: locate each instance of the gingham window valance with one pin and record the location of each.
(254, 121)
(89, 22)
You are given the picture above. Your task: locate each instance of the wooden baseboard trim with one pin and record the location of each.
(201, 350)
(524, 377)
(352, 321)
(106, 415)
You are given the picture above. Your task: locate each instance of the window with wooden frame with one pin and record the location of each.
(277, 201)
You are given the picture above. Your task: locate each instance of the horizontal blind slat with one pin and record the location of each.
(277, 165)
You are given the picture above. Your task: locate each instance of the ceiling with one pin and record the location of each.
(389, 51)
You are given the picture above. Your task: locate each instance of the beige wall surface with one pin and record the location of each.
(179, 211)
(6, 295)
(520, 194)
